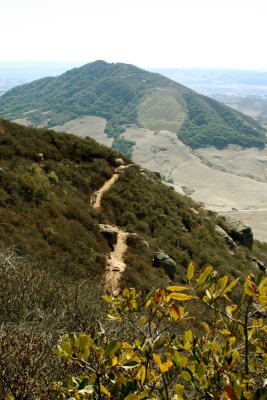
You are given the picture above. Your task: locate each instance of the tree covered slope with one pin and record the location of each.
(124, 94)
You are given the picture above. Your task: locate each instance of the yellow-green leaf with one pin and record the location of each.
(178, 296)
(148, 303)
(206, 327)
(231, 285)
(235, 356)
(225, 332)
(188, 336)
(157, 359)
(204, 276)
(179, 391)
(222, 282)
(186, 376)
(143, 320)
(127, 345)
(249, 288)
(107, 299)
(166, 366)
(201, 370)
(262, 300)
(141, 375)
(104, 390)
(177, 288)
(179, 360)
(263, 282)
(190, 271)
(231, 309)
(112, 347)
(114, 361)
(132, 397)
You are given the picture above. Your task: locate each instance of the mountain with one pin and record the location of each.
(153, 120)
(126, 95)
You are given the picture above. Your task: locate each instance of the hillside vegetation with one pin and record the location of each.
(45, 210)
(52, 262)
(124, 94)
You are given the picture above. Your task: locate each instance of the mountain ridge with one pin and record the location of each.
(119, 93)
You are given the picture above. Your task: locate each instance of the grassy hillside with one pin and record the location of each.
(45, 211)
(125, 94)
(53, 256)
(45, 205)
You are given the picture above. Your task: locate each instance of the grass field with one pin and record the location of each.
(161, 109)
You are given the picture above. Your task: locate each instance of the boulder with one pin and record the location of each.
(194, 211)
(137, 241)
(156, 174)
(162, 260)
(262, 267)
(40, 157)
(110, 233)
(119, 162)
(238, 231)
(259, 265)
(228, 240)
(187, 190)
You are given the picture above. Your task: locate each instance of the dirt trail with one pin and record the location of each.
(115, 261)
(104, 189)
(108, 184)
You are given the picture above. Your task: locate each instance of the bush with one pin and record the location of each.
(35, 185)
(172, 353)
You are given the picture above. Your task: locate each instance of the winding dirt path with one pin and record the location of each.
(115, 261)
(104, 189)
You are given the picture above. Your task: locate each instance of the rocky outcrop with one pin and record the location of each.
(110, 233)
(228, 240)
(238, 231)
(162, 260)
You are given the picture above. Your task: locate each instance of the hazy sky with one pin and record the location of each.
(147, 33)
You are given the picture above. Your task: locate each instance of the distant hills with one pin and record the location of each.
(126, 95)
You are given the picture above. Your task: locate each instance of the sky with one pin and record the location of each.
(146, 33)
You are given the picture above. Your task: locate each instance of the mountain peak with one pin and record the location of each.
(124, 94)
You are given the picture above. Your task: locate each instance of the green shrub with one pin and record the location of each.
(170, 353)
(35, 185)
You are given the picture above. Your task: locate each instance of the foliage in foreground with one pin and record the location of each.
(170, 354)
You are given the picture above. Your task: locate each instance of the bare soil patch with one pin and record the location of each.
(215, 188)
(91, 126)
